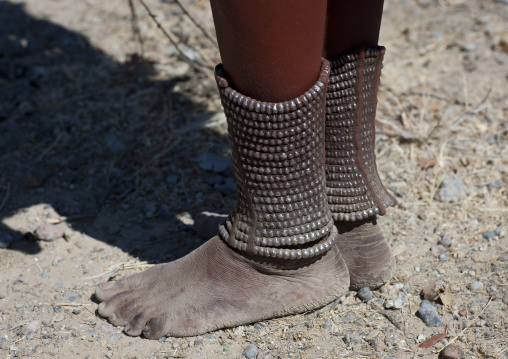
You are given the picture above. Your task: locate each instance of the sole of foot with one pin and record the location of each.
(217, 287)
(366, 252)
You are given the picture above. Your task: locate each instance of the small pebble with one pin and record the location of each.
(378, 346)
(251, 351)
(420, 338)
(452, 351)
(501, 231)
(443, 257)
(462, 312)
(2, 295)
(365, 294)
(428, 313)
(451, 190)
(445, 241)
(5, 240)
(476, 286)
(469, 47)
(150, 208)
(488, 235)
(73, 296)
(33, 326)
(48, 232)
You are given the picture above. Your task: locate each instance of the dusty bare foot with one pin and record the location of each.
(366, 252)
(216, 287)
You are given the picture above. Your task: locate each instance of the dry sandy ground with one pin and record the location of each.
(118, 152)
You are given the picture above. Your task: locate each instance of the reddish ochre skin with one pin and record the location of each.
(351, 24)
(266, 43)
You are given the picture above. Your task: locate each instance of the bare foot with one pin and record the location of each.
(362, 245)
(216, 287)
(366, 252)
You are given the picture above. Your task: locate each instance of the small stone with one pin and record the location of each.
(5, 240)
(238, 330)
(73, 296)
(76, 311)
(2, 295)
(488, 235)
(501, 231)
(57, 261)
(365, 294)
(48, 232)
(150, 208)
(462, 312)
(437, 249)
(452, 351)
(104, 327)
(198, 342)
(445, 241)
(471, 46)
(251, 351)
(420, 338)
(428, 313)
(451, 190)
(476, 286)
(378, 346)
(443, 257)
(33, 326)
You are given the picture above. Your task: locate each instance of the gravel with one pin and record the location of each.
(452, 351)
(488, 235)
(365, 293)
(476, 286)
(48, 232)
(451, 190)
(429, 314)
(251, 351)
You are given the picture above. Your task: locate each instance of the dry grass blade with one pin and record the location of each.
(191, 18)
(453, 340)
(135, 28)
(6, 197)
(175, 43)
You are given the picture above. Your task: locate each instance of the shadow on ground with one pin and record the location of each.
(98, 141)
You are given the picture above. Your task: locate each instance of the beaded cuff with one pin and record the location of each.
(278, 156)
(354, 188)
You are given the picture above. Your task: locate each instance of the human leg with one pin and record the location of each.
(355, 192)
(275, 254)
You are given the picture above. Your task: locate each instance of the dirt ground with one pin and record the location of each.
(114, 142)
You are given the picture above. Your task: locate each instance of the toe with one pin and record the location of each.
(119, 308)
(154, 328)
(136, 325)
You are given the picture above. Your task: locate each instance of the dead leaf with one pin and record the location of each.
(427, 162)
(430, 292)
(433, 340)
(446, 297)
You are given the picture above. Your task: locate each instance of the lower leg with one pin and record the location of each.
(350, 24)
(275, 254)
(355, 192)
